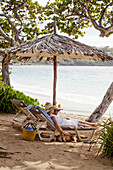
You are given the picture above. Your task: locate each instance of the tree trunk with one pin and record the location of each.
(5, 72)
(101, 109)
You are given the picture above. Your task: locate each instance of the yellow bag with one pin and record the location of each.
(29, 132)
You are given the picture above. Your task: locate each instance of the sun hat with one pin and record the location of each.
(49, 106)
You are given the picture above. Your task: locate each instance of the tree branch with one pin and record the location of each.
(104, 10)
(79, 15)
(103, 31)
(109, 30)
(10, 40)
(91, 19)
(13, 26)
(16, 13)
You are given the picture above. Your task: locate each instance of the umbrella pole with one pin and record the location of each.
(55, 79)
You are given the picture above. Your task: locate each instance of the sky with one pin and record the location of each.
(92, 35)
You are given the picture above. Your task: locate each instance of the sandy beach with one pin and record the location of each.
(39, 155)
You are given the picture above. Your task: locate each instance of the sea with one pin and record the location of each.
(80, 89)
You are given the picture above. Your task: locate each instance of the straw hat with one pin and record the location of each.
(49, 106)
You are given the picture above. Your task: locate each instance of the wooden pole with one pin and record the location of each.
(55, 79)
(54, 25)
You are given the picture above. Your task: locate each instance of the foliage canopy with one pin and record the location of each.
(73, 15)
(18, 21)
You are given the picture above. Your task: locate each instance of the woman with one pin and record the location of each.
(58, 121)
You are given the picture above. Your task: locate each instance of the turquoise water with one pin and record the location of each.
(80, 89)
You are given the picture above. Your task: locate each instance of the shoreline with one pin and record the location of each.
(70, 106)
(67, 106)
(79, 63)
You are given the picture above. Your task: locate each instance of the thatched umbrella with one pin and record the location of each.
(54, 46)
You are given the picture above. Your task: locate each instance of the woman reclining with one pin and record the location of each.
(58, 121)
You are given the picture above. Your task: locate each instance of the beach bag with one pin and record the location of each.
(29, 132)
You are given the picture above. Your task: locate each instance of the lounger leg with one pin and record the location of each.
(17, 114)
(16, 120)
(87, 138)
(46, 139)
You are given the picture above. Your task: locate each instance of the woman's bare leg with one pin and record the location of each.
(86, 124)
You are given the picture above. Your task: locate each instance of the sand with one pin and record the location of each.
(40, 155)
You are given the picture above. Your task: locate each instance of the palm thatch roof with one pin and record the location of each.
(54, 45)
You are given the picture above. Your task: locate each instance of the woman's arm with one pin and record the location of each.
(58, 127)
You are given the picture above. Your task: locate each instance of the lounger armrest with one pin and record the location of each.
(18, 103)
(68, 126)
(87, 128)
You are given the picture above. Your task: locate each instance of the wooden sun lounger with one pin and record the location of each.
(46, 129)
(84, 134)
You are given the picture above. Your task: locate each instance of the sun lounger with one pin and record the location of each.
(23, 115)
(46, 126)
